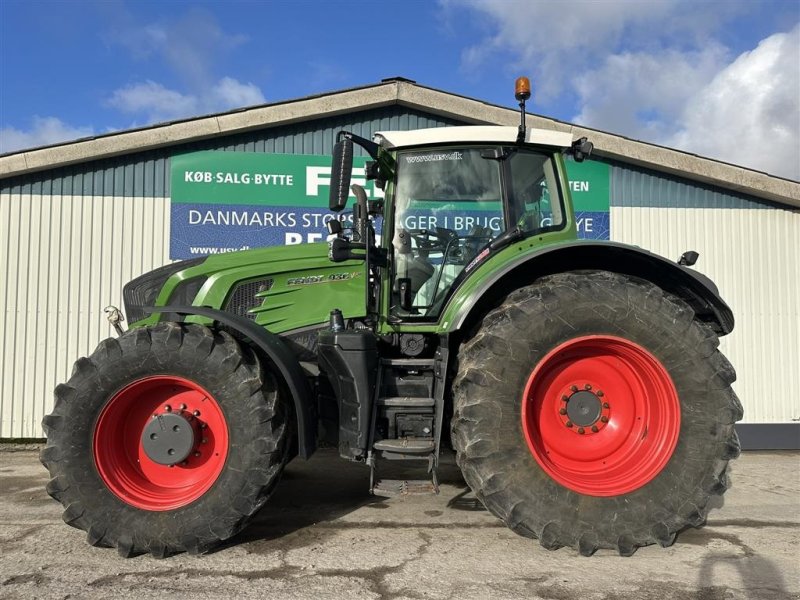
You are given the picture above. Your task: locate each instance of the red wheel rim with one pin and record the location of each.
(601, 415)
(125, 467)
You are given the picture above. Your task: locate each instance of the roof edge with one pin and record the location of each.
(197, 128)
(413, 95)
(608, 145)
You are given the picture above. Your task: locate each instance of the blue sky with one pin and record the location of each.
(720, 78)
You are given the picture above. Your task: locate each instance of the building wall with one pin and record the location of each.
(751, 250)
(70, 238)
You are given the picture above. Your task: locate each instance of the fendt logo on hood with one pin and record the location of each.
(309, 279)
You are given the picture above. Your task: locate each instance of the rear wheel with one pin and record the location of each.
(593, 410)
(167, 439)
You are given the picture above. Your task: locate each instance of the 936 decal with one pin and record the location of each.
(333, 277)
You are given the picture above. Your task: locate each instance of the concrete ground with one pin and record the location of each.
(322, 536)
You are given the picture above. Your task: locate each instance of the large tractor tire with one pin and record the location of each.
(593, 410)
(167, 439)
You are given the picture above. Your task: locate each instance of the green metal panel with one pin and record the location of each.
(288, 304)
(147, 174)
(633, 186)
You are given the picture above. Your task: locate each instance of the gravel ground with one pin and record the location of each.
(323, 536)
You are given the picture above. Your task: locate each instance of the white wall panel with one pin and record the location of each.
(64, 258)
(753, 255)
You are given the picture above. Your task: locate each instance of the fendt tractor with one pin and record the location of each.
(578, 382)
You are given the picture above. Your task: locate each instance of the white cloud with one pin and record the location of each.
(230, 93)
(553, 40)
(656, 71)
(153, 102)
(749, 114)
(45, 131)
(190, 45)
(642, 95)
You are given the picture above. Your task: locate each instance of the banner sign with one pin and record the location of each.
(591, 190)
(228, 201)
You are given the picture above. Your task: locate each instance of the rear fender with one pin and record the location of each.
(694, 288)
(285, 362)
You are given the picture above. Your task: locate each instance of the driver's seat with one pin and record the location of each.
(416, 268)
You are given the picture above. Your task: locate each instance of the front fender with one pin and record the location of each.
(283, 359)
(524, 267)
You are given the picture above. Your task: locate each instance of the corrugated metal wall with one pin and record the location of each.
(751, 250)
(71, 238)
(64, 258)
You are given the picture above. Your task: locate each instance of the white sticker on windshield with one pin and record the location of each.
(439, 156)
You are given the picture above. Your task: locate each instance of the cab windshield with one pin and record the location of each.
(451, 202)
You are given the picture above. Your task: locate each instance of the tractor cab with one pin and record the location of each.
(453, 197)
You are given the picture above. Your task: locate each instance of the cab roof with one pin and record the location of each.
(470, 134)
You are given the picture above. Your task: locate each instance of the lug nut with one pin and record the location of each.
(604, 419)
(183, 407)
(606, 405)
(204, 441)
(564, 398)
(196, 413)
(197, 455)
(184, 463)
(203, 425)
(581, 430)
(563, 411)
(568, 423)
(600, 393)
(595, 429)
(574, 388)
(168, 408)
(587, 387)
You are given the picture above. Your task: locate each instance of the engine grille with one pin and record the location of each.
(243, 297)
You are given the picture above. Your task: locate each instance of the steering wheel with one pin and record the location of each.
(433, 240)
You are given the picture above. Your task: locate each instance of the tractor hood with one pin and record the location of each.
(281, 287)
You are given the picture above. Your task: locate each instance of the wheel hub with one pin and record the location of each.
(169, 438)
(584, 408)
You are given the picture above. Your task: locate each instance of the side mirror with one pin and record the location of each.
(688, 258)
(341, 169)
(581, 149)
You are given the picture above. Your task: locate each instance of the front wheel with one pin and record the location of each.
(593, 410)
(167, 439)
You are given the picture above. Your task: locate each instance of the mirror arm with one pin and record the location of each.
(368, 145)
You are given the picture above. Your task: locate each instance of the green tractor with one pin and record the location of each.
(579, 382)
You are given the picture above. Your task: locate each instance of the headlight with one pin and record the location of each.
(186, 291)
(143, 291)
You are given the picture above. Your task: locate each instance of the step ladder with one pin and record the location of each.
(410, 449)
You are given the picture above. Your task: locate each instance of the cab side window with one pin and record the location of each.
(534, 192)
